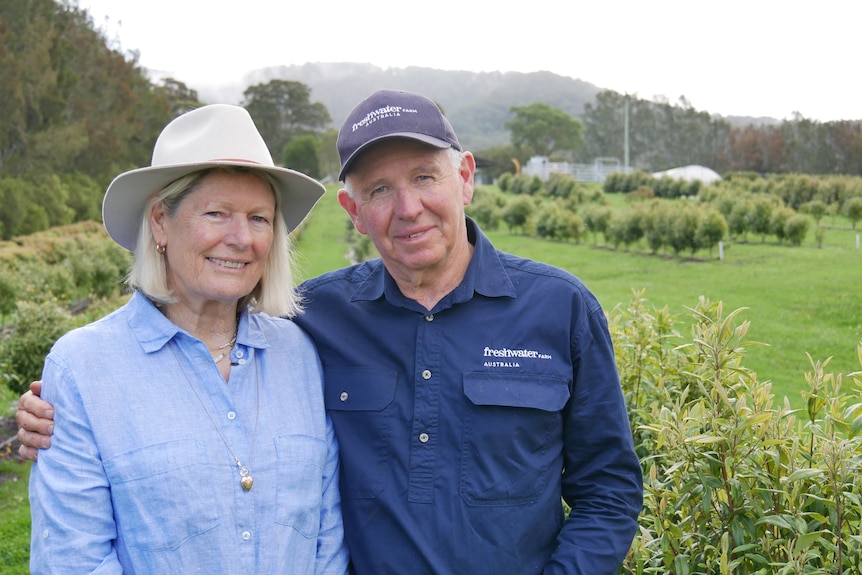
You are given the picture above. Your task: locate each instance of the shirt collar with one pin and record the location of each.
(485, 274)
(153, 330)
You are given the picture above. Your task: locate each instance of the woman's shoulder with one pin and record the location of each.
(277, 329)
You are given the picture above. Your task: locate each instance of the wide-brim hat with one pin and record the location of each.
(211, 136)
(392, 114)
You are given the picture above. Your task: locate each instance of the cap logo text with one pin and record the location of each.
(380, 113)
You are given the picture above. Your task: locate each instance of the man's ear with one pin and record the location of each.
(349, 204)
(467, 173)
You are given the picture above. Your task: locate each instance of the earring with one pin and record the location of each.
(160, 249)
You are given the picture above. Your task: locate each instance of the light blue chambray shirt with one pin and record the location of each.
(137, 479)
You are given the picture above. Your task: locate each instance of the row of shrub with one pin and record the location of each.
(837, 194)
(676, 227)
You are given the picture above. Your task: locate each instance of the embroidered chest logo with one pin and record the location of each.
(505, 357)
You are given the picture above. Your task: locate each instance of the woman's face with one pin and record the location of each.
(218, 241)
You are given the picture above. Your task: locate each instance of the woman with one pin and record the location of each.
(193, 436)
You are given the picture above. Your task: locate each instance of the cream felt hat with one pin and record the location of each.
(207, 137)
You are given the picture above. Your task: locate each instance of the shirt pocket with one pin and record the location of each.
(357, 399)
(162, 494)
(512, 436)
(301, 461)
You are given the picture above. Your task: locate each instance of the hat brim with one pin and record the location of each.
(424, 138)
(127, 196)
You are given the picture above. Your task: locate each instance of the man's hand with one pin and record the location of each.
(35, 422)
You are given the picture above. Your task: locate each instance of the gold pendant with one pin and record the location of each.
(246, 482)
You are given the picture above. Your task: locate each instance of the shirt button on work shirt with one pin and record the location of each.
(429, 317)
(231, 415)
(240, 353)
(246, 535)
(343, 396)
(423, 437)
(426, 374)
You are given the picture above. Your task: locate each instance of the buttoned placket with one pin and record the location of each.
(238, 431)
(426, 400)
(244, 372)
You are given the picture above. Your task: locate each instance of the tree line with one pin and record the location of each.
(663, 136)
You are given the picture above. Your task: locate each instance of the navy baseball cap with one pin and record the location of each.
(392, 114)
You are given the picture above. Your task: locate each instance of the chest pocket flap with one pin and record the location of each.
(545, 392)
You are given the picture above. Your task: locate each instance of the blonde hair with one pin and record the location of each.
(275, 293)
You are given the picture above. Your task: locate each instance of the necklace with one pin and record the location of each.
(246, 479)
(223, 354)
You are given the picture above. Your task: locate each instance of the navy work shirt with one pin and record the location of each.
(461, 428)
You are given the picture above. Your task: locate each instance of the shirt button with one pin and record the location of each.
(429, 317)
(240, 353)
(231, 415)
(246, 535)
(343, 396)
(241, 362)
(426, 374)
(423, 437)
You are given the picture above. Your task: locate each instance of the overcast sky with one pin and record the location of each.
(746, 58)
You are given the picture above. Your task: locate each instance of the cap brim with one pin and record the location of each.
(127, 196)
(424, 138)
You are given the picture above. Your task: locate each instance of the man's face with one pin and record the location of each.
(409, 199)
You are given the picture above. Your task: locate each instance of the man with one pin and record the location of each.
(470, 389)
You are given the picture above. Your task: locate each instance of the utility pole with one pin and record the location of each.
(626, 143)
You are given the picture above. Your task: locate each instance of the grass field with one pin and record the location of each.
(15, 525)
(798, 299)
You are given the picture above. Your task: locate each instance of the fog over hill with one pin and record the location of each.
(477, 103)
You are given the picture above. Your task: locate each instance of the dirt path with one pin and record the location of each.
(8, 441)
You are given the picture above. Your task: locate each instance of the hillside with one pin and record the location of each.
(477, 103)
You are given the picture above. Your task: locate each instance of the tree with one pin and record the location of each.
(545, 130)
(301, 154)
(815, 208)
(181, 97)
(711, 228)
(68, 101)
(778, 221)
(555, 222)
(853, 210)
(739, 218)
(283, 110)
(759, 219)
(796, 228)
(517, 212)
(596, 220)
(683, 234)
(487, 207)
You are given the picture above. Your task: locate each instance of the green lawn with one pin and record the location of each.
(15, 523)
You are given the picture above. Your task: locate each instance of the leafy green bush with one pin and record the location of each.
(733, 483)
(22, 351)
(67, 263)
